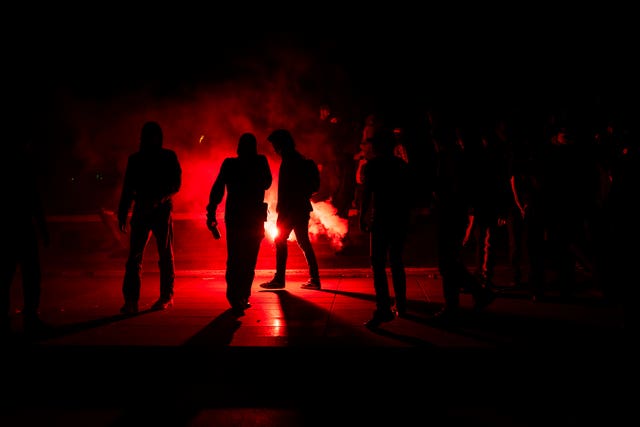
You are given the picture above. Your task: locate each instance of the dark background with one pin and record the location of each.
(81, 81)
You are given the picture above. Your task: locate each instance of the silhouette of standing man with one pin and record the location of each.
(452, 203)
(385, 212)
(25, 224)
(152, 177)
(298, 179)
(245, 178)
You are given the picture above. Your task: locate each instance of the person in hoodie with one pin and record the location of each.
(152, 177)
(245, 179)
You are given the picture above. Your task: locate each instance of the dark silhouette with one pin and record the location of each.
(490, 197)
(298, 180)
(25, 228)
(555, 189)
(152, 177)
(245, 178)
(452, 203)
(385, 213)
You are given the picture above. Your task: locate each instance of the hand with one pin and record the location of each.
(122, 225)
(212, 223)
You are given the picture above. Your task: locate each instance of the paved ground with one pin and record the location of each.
(303, 357)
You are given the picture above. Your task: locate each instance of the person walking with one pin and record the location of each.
(245, 179)
(152, 177)
(385, 213)
(298, 180)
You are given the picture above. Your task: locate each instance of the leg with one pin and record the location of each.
(243, 245)
(282, 252)
(234, 271)
(163, 232)
(140, 233)
(379, 247)
(398, 273)
(302, 237)
(282, 248)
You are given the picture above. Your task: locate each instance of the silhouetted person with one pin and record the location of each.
(245, 178)
(490, 198)
(385, 213)
(568, 194)
(25, 227)
(298, 179)
(452, 203)
(152, 177)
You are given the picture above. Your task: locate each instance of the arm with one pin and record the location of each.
(215, 196)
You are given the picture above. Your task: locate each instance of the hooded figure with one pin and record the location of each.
(153, 175)
(245, 179)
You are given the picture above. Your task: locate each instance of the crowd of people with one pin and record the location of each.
(560, 183)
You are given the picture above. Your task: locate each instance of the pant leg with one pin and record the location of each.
(243, 246)
(379, 251)
(282, 247)
(139, 237)
(398, 273)
(163, 231)
(301, 229)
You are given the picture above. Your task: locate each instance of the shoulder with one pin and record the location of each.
(169, 153)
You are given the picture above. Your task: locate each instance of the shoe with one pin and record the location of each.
(129, 308)
(379, 318)
(162, 304)
(311, 284)
(273, 284)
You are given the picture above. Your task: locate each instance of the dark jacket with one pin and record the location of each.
(246, 178)
(151, 178)
(297, 181)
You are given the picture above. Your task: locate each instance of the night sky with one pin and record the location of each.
(88, 79)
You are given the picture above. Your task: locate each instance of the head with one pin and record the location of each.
(247, 145)
(151, 136)
(282, 141)
(383, 142)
